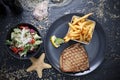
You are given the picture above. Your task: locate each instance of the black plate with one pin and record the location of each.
(95, 49)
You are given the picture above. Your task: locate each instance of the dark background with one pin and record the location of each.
(106, 12)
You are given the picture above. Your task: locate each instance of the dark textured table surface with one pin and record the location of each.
(106, 12)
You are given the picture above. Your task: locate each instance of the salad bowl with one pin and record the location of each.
(23, 41)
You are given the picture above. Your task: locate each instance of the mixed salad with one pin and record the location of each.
(24, 40)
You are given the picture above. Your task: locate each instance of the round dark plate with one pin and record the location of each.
(29, 54)
(95, 49)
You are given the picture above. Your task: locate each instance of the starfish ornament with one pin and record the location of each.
(38, 65)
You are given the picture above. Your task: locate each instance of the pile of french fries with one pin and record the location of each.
(80, 29)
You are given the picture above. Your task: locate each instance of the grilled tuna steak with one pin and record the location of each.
(74, 59)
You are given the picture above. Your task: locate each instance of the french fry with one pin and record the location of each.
(80, 29)
(74, 18)
(75, 38)
(79, 23)
(74, 35)
(70, 30)
(87, 29)
(91, 29)
(77, 27)
(85, 23)
(67, 39)
(71, 26)
(81, 37)
(82, 18)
